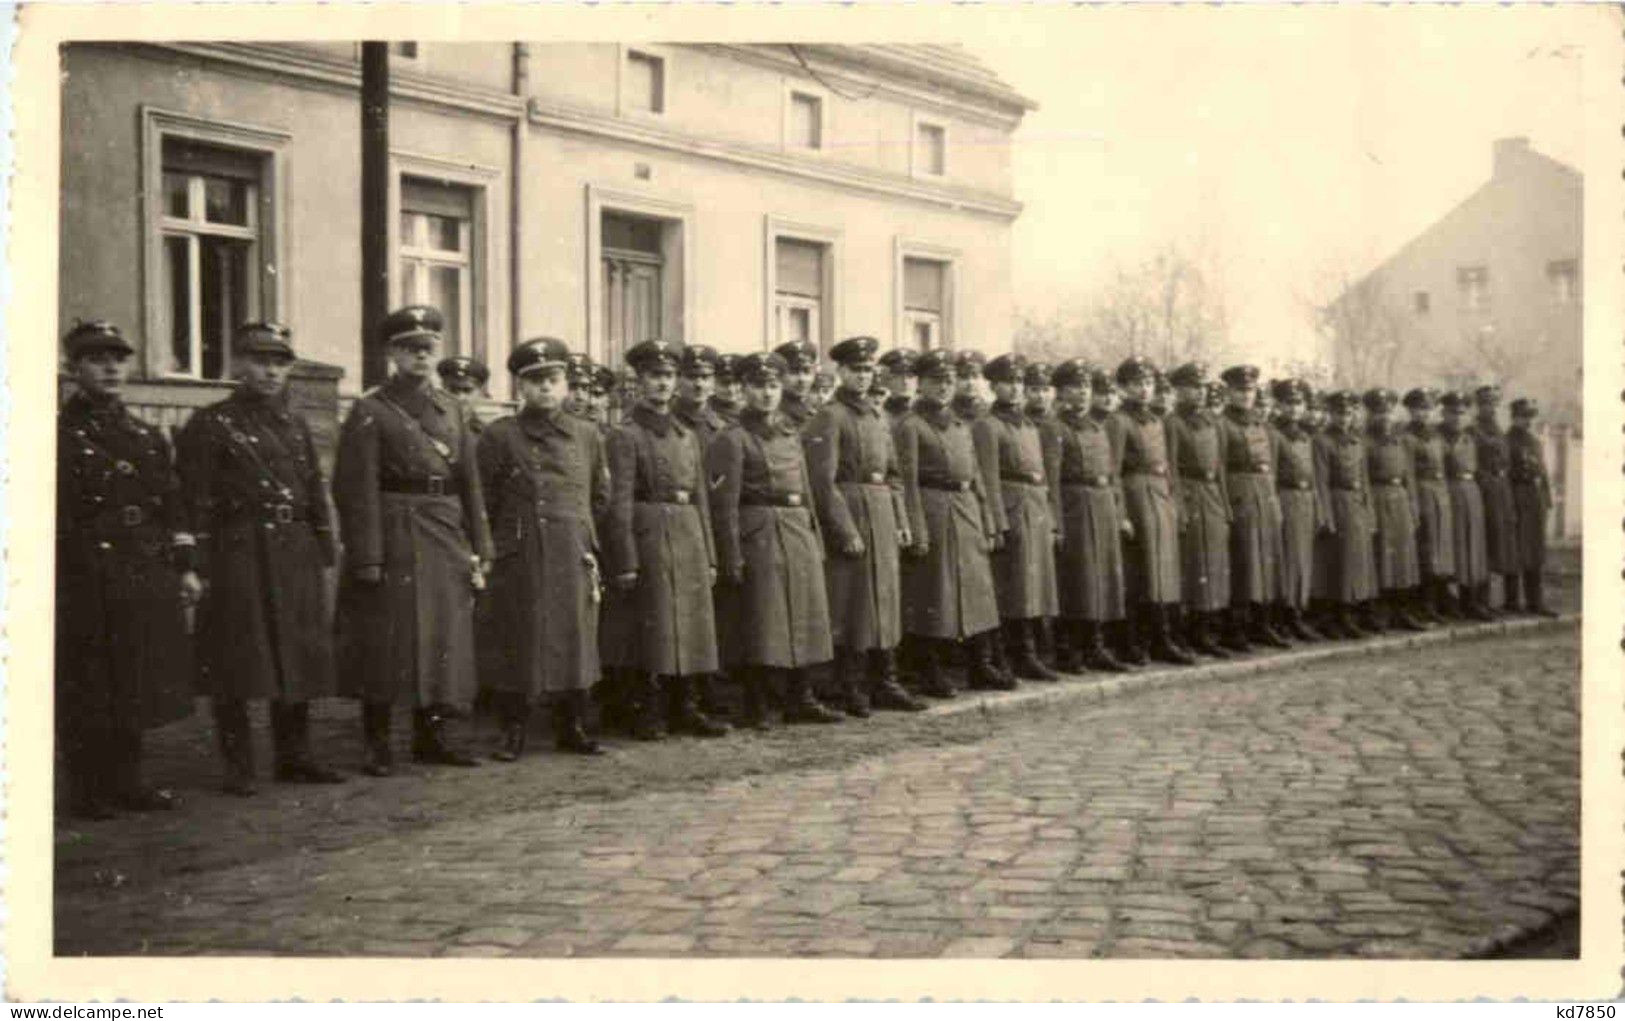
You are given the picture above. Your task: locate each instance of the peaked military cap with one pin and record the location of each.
(538, 354)
(412, 323)
(1073, 372)
(1134, 368)
(652, 355)
(579, 369)
(1342, 400)
(855, 352)
(263, 338)
(1162, 384)
(935, 363)
(798, 355)
(727, 368)
(1380, 398)
(697, 360)
(1010, 368)
(1190, 374)
(969, 362)
(1240, 377)
(464, 367)
(1038, 374)
(760, 366)
(1101, 380)
(89, 335)
(1285, 391)
(1420, 397)
(1489, 393)
(1525, 407)
(603, 379)
(1453, 399)
(900, 361)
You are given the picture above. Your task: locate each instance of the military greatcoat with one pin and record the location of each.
(122, 654)
(1435, 546)
(1083, 470)
(1466, 506)
(858, 495)
(1151, 556)
(1255, 506)
(1305, 510)
(258, 506)
(1393, 496)
(948, 582)
(1195, 454)
(659, 525)
(1340, 459)
(545, 475)
(769, 553)
(407, 487)
(1023, 504)
(1531, 495)
(1495, 485)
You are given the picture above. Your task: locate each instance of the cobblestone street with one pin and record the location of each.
(1409, 804)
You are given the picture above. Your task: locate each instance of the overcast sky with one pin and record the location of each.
(1281, 139)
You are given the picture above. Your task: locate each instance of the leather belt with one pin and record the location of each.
(1200, 476)
(1250, 471)
(1429, 477)
(1461, 476)
(1350, 489)
(947, 485)
(1295, 484)
(1024, 478)
(1394, 481)
(428, 485)
(1091, 481)
(1492, 473)
(681, 497)
(772, 499)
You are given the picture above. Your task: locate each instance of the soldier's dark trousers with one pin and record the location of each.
(375, 736)
(103, 764)
(236, 746)
(754, 683)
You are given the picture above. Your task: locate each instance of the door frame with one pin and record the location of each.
(679, 283)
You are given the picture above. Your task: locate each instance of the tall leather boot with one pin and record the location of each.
(933, 678)
(753, 697)
(1481, 598)
(683, 714)
(1420, 601)
(1130, 648)
(1203, 639)
(645, 707)
(1162, 647)
(710, 691)
(884, 691)
(431, 743)
(1475, 603)
(1022, 639)
(1179, 627)
(236, 746)
(614, 698)
(1096, 654)
(1399, 611)
(87, 775)
(513, 719)
(130, 791)
(570, 724)
(1235, 635)
(379, 757)
(1068, 647)
(1259, 631)
(1445, 605)
(1374, 616)
(1510, 584)
(850, 684)
(290, 732)
(1297, 627)
(801, 705)
(1000, 652)
(980, 673)
(1044, 639)
(1532, 585)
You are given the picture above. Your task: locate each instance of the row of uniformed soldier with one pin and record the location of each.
(732, 523)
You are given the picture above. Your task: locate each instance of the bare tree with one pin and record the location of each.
(1362, 325)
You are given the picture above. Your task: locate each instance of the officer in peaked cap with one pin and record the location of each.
(544, 590)
(578, 377)
(772, 610)
(968, 403)
(729, 398)
(801, 366)
(124, 574)
(1103, 394)
(407, 487)
(1010, 453)
(1348, 578)
(823, 388)
(1393, 497)
(1255, 531)
(1305, 512)
(1040, 391)
(1196, 456)
(1435, 545)
(264, 559)
(462, 375)
(858, 495)
(659, 629)
(1461, 472)
(1531, 498)
(902, 379)
(1494, 483)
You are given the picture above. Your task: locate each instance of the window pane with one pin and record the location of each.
(630, 233)
(800, 324)
(409, 229)
(923, 285)
(444, 233)
(225, 201)
(409, 281)
(800, 267)
(805, 129)
(223, 280)
(177, 298)
(645, 84)
(446, 294)
(922, 335)
(175, 194)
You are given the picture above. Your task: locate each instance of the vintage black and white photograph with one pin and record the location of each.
(1096, 484)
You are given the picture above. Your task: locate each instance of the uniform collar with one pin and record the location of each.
(967, 405)
(106, 407)
(692, 412)
(934, 411)
(656, 421)
(897, 404)
(1139, 411)
(538, 421)
(414, 394)
(1009, 412)
(766, 424)
(856, 401)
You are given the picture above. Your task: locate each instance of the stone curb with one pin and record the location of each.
(1097, 688)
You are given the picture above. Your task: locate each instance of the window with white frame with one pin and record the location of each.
(930, 148)
(925, 303)
(208, 276)
(806, 126)
(436, 256)
(643, 86)
(799, 290)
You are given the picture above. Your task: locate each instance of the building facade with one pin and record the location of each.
(734, 195)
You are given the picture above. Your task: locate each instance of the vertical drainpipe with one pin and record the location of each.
(516, 177)
(374, 207)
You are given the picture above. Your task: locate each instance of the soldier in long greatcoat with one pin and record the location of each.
(661, 555)
(1305, 507)
(1040, 394)
(1466, 510)
(1532, 498)
(1350, 585)
(1255, 508)
(696, 386)
(1495, 485)
(545, 476)
(1394, 499)
(1082, 470)
(1011, 457)
(857, 493)
(728, 400)
(801, 368)
(948, 593)
(1151, 552)
(258, 505)
(769, 550)
(1196, 456)
(416, 547)
(1435, 543)
(968, 404)
(124, 580)
(899, 375)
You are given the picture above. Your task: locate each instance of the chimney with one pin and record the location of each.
(1507, 152)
